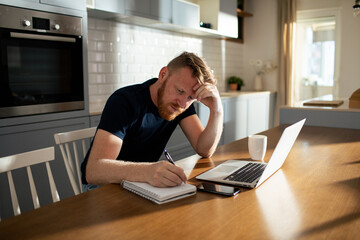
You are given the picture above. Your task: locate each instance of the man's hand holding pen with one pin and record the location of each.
(166, 173)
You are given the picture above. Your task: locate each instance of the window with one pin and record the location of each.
(314, 57)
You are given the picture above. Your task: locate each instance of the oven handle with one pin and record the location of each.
(42, 37)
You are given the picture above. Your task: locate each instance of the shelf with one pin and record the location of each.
(242, 13)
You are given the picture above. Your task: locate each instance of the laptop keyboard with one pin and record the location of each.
(247, 173)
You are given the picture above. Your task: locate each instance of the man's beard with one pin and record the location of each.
(166, 110)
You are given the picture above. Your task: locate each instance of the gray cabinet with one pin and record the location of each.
(94, 120)
(139, 8)
(153, 9)
(115, 6)
(161, 10)
(128, 10)
(173, 15)
(70, 7)
(73, 4)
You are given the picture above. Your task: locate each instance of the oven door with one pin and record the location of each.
(40, 73)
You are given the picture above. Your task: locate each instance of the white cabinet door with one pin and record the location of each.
(235, 119)
(185, 14)
(258, 114)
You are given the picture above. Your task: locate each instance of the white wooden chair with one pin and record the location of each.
(72, 157)
(27, 159)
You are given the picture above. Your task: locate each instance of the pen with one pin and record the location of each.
(168, 157)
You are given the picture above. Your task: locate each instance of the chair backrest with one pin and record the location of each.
(69, 144)
(25, 160)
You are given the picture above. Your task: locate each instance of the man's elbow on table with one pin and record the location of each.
(205, 153)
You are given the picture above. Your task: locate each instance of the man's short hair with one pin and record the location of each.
(200, 69)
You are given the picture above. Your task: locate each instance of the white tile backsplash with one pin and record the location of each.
(121, 54)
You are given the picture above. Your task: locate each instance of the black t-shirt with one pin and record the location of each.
(131, 115)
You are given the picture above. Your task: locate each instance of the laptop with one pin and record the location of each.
(252, 174)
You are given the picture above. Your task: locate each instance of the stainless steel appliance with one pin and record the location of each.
(41, 62)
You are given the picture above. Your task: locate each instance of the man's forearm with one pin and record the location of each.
(211, 135)
(104, 171)
(160, 174)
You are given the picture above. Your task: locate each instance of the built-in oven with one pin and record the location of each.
(41, 62)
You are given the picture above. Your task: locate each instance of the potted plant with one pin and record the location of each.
(235, 83)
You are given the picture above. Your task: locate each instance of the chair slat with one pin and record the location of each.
(34, 194)
(77, 160)
(69, 158)
(54, 192)
(84, 150)
(14, 199)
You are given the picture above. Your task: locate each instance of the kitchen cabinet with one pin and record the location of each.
(115, 6)
(161, 10)
(171, 15)
(248, 114)
(61, 6)
(235, 119)
(221, 14)
(343, 116)
(153, 9)
(73, 4)
(95, 120)
(185, 14)
(128, 10)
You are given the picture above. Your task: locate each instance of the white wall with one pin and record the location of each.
(261, 39)
(122, 54)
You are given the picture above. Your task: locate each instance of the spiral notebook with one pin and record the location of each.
(160, 195)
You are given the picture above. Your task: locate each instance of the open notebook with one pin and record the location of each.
(160, 195)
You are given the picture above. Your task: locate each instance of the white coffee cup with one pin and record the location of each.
(257, 146)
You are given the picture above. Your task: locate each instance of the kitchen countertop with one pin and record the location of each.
(343, 107)
(342, 116)
(230, 94)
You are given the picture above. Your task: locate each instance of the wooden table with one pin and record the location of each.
(314, 196)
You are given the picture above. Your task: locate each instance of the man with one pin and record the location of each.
(138, 120)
